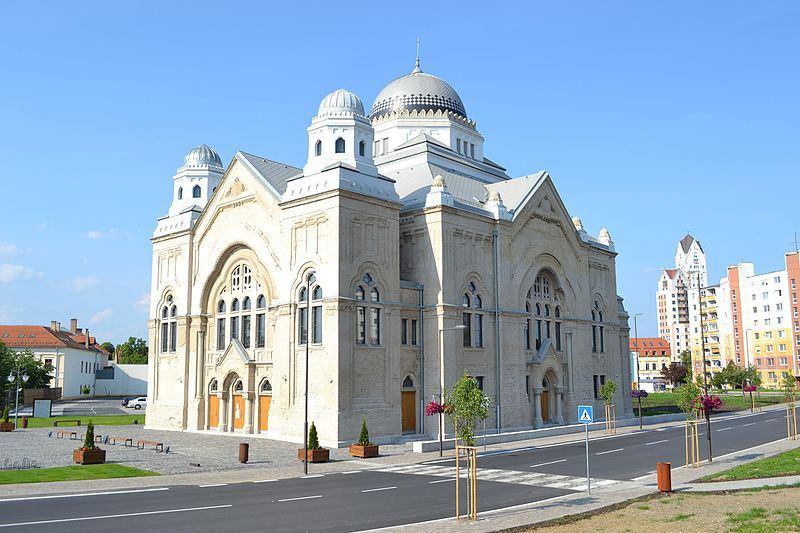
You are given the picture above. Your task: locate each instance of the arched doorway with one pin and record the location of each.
(238, 405)
(213, 404)
(408, 405)
(545, 401)
(264, 401)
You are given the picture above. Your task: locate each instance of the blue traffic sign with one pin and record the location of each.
(585, 414)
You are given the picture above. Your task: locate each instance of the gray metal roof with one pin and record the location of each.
(515, 191)
(273, 172)
(417, 91)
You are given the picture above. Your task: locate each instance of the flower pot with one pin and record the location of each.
(89, 457)
(6, 426)
(315, 456)
(365, 451)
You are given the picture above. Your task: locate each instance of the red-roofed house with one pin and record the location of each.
(652, 354)
(74, 354)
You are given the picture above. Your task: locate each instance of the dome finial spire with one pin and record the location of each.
(416, 66)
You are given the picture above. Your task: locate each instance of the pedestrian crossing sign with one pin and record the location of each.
(585, 414)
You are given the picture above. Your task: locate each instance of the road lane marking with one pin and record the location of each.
(213, 485)
(548, 463)
(724, 429)
(123, 515)
(750, 424)
(441, 481)
(381, 488)
(610, 451)
(265, 480)
(301, 498)
(312, 476)
(351, 472)
(53, 496)
(656, 442)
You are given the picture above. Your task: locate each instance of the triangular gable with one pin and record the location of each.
(234, 351)
(545, 349)
(544, 201)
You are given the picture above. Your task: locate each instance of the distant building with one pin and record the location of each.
(652, 354)
(74, 354)
(672, 306)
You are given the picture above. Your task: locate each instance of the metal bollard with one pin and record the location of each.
(244, 452)
(664, 474)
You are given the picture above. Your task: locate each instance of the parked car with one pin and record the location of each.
(138, 403)
(126, 399)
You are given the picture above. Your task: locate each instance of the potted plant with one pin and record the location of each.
(364, 448)
(315, 452)
(5, 425)
(89, 454)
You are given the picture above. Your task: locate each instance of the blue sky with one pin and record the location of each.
(653, 118)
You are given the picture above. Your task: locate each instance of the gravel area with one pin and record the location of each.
(212, 452)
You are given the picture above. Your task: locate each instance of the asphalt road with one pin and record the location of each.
(365, 499)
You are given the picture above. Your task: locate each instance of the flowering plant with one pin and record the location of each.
(709, 402)
(750, 388)
(638, 394)
(433, 408)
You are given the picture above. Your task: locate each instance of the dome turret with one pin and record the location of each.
(340, 101)
(202, 156)
(417, 91)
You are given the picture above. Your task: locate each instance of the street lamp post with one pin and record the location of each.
(705, 375)
(310, 278)
(636, 344)
(15, 380)
(441, 381)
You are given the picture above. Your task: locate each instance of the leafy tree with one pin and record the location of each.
(313, 439)
(789, 386)
(675, 373)
(107, 346)
(133, 351)
(466, 405)
(363, 439)
(39, 373)
(688, 399)
(607, 391)
(686, 361)
(5, 415)
(88, 442)
(719, 379)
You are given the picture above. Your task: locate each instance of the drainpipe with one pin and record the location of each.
(495, 253)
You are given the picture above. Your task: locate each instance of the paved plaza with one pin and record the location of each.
(211, 452)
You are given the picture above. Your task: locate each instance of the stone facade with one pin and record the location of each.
(392, 249)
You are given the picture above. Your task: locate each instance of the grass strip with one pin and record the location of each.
(72, 473)
(783, 464)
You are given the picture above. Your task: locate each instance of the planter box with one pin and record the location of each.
(315, 456)
(89, 457)
(6, 426)
(364, 451)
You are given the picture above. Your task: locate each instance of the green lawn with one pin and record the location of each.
(661, 403)
(99, 420)
(71, 473)
(784, 464)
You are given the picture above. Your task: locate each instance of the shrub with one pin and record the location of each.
(313, 439)
(607, 391)
(363, 439)
(88, 442)
(688, 399)
(5, 415)
(465, 405)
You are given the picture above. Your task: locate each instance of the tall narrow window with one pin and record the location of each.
(302, 315)
(361, 317)
(220, 334)
(180, 193)
(318, 148)
(196, 191)
(164, 330)
(316, 315)
(362, 148)
(467, 320)
(173, 329)
(594, 332)
(478, 322)
(414, 333)
(404, 331)
(339, 145)
(558, 328)
(527, 330)
(369, 333)
(538, 309)
(246, 330)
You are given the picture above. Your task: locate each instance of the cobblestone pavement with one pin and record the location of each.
(212, 452)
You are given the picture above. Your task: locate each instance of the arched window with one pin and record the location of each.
(261, 321)
(266, 387)
(558, 328)
(221, 306)
(408, 383)
(235, 305)
(196, 191)
(472, 317)
(318, 148)
(180, 193)
(236, 279)
(169, 326)
(598, 336)
(213, 386)
(362, 148)
(540, 298)
(261, 302)
(221, 325)
(239, 386)
(246, 303)
(316, 311)
(235, 320)
(370, 312)
(339, 145)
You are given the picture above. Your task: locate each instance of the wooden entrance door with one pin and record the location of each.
(238, 411)
(408, 405)
(545, 405)
(263, 412)
(213, 411)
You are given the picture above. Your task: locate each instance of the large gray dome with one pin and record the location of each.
(417, 91)
(202, 155)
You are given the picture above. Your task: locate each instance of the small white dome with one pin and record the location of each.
(202, 155)
(341, 101)
(576, 221)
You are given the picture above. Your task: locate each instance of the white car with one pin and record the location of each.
(137, 403)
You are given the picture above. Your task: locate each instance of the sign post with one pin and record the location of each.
(586, 417)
